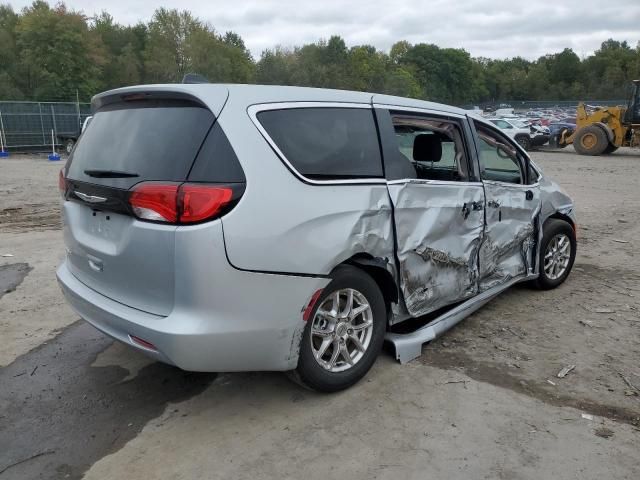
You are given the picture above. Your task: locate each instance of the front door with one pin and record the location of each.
(512, 209)
(438, 209)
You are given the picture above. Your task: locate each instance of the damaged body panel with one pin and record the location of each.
(439, 229)
(508, 247)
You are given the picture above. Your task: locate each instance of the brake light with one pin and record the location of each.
(171, 203)
(200, 202)
(155, 202)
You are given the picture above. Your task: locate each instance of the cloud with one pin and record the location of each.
(495, 29)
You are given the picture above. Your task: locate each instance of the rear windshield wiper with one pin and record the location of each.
(110, 174)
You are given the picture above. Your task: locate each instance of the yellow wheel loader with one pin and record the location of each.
(606, 129)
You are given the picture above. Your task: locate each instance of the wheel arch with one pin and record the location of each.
(563, 217)
(376, 268)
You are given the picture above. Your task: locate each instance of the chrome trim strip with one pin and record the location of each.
(430, 111)
(508, 184)
(253, 111)
(424, 181)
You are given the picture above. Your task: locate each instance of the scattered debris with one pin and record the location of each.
(586, 323)
(604, 432)
(457, 381)
(565, 371)
(7, 255)
(630, 393)
(552, 383)
(603, 310)
(619, 241)
(34, 370)
(587, 416)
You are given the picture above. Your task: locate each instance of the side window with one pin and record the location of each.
(326, 143)
(434, 147)
(498, 158)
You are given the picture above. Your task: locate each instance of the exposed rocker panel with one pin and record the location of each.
(408, 346)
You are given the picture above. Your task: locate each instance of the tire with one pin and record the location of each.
(524, 142)
(556, 229)
(324, 378)
(610, 149)
(590, 140)
(68, 146)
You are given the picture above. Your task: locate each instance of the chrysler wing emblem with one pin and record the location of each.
(90, 198)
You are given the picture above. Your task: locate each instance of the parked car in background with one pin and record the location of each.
(242, 227)
(527, 136)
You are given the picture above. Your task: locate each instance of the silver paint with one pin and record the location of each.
(437, 241)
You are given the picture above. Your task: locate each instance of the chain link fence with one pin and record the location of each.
(36, 126)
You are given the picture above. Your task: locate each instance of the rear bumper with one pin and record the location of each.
(223, 319)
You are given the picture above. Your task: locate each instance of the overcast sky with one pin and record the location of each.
(490, 28)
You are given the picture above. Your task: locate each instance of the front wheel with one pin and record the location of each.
(344, 335)
(557, 253)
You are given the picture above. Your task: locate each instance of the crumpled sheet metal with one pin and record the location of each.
(437, 244)
(372, 231)
(510, 236)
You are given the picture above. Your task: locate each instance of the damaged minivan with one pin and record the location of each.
(235, 227)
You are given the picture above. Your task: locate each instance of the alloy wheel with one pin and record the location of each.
(556, 256)
(341, 330)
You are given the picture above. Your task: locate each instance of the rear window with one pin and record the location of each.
(326, 143)
(149, 140)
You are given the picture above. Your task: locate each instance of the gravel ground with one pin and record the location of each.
(483, 401)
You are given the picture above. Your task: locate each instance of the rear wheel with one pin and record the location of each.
(524, 142)
(557, 253)
(345, 333)
(590, 140)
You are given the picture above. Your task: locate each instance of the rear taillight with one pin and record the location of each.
(186, 203)
(155, 202)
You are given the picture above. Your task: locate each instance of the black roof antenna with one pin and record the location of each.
(194, 78)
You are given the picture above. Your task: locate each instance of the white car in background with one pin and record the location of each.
(526, 135)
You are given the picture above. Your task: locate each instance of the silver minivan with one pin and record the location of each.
(239, 227)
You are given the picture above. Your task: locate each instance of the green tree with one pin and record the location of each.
(57, 55)
(8, 53)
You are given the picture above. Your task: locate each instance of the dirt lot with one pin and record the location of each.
(483, 401)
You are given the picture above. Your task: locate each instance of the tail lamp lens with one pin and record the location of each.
(200, 202)
(186, 203)
(155, 202)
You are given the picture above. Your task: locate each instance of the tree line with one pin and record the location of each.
(55, 53)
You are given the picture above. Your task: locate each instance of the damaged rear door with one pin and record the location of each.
(512, 209)
(438, 206)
